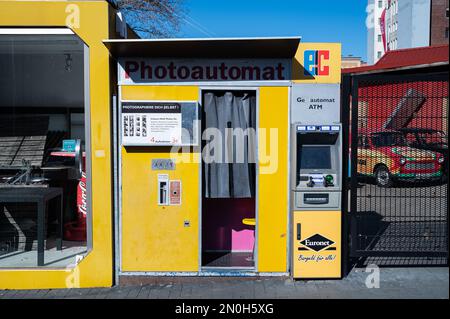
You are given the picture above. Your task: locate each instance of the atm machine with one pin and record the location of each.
(316, 190)
(316, 201)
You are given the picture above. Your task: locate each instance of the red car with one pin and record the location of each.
(386, 156)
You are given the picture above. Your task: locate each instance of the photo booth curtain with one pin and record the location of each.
(230, 174)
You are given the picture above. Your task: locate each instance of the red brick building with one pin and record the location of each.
(439, 32)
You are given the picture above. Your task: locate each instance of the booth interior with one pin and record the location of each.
(43, 182)
(229, 179)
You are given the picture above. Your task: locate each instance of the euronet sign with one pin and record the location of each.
(142, 70)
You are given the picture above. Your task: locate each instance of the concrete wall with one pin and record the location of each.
(413, 23)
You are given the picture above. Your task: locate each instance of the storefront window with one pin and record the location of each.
(44, 176)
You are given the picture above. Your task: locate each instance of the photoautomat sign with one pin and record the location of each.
(132, 70)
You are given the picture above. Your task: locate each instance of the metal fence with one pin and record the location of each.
(399, 165)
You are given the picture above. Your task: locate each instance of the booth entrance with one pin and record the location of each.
(228, 214)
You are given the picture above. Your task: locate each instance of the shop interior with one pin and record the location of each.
(229, 180)
(43, 150)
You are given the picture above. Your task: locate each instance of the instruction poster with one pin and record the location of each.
(151, 124)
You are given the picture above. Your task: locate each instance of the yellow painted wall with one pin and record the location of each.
(334, 63)
(154, 237)
(273, 185)
(96, 270)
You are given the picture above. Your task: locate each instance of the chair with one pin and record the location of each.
(250, 222)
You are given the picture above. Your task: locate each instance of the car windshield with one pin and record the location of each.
(437, 138)
(388, 139)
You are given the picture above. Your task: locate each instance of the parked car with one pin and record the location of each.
(428, 139)
(386, 156)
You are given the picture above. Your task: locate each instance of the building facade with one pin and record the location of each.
(439, 22)
(405, 24)
(352, 62)
(375, 45)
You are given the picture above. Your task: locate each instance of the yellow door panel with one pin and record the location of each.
(317, 244)
(156, 238)
(273, 179)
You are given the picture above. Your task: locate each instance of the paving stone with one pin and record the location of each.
(186, 291)
(159, 292)
(6, 294)
(143, 294)
(57, 293)
(134, 292)
(120, 293)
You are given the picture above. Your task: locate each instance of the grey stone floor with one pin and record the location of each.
(395, 283)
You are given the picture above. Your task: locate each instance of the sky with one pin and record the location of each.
(314, 20)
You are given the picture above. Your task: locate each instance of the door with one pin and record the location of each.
(156, 237)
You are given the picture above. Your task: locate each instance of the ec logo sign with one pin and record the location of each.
(316, 62)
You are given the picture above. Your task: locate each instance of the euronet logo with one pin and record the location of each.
(317, 243)
(316, 62)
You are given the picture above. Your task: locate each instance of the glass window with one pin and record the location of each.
(388, 139)
(432, 137)
(44, 180)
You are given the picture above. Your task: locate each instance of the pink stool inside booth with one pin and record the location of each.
(222, 225)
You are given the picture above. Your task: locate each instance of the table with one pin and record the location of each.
(41, 196)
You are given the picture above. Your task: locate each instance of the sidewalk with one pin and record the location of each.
(395, 283)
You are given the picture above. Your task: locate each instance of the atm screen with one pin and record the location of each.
(315, 157)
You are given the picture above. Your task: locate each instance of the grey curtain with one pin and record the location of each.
(233, 176)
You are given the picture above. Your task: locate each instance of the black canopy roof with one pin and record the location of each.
(278, 47)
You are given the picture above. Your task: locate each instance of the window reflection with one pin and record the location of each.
(43, 182)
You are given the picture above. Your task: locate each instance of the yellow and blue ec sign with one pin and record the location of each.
(317, 63)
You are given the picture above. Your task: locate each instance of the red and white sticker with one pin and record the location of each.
(175, 193)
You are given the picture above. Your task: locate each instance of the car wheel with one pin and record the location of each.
(383, 177)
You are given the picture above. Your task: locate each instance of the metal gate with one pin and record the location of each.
(399, 165)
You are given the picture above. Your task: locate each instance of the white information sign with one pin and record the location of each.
(315, 103)
(151, 124)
